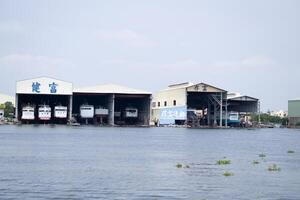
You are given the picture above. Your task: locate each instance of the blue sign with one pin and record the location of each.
(53, 87)
(169, 115)
(36, 87)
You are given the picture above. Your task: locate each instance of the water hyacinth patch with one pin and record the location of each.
(179, 165)
(255, 162)
(223, 162)
(274, 167)
(228, 173)
(262, 155)
(291, 151)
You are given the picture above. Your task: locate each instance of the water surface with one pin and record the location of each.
(45, 162)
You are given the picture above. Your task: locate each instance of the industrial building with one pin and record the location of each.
(113, 105)
(186, 103)
(294, 112)
(200, 105)
(48, 100)
(37, 99)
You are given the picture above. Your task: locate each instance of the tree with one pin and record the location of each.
(8, 109)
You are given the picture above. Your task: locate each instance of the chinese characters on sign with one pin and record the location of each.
(36, 87)
(53, 87)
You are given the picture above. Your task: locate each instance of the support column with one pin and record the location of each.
(221, 109)
(226, 115)
(70, 107)
(111, 110)
(148, 111)
(17, 107)
(208, 113)
(215, 114)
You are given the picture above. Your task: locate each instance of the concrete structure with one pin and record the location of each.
(192, 104)
(6, 98)
(43, 90)
(116, 99)
(294, 112)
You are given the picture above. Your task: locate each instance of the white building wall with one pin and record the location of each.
(169, 95)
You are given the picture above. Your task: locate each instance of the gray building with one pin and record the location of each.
(294, 112)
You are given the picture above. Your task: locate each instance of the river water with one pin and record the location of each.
(60, 162)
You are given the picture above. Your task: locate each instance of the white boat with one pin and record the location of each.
(101, 111)
(131, 112)
(27, 113)
(87, 111)
(44, 112)
(60, 112)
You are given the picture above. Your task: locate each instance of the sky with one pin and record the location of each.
(249, 46)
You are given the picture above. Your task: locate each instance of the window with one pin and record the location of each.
(158, 104)
(153, 104)
(174, 102)
(165, 103)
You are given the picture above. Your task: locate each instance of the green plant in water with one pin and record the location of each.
(291, 151)
(274, 167)
(179, 165)
(223, 162)
(228, 173)
(262, 155)
(255, 162)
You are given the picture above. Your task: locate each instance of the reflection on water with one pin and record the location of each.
(50, 162)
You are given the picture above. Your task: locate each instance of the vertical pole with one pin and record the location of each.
(215, 114)
(111, 107)
(208, 113)
(221, 109)
(148, 114)
(17, 107)
(70, 107)
(258, 109)
(226, 114)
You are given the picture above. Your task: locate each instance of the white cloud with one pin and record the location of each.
(125, 36)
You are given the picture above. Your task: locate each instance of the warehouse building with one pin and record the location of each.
(112, 104)
(48, 100)
(192, 104)
(43, 100)
(294, 112)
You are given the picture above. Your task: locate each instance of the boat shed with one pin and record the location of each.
(192, 104)
(242, 104)
(112, 105)
(43, 91)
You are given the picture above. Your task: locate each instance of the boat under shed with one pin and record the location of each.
(38, 100)
(112, 104)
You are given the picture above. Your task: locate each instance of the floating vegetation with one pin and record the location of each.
(187, 166)
(262, 155)
(228, 173)
(274, 167)
(291, 151)
(179, 165)
(255, 162)
(223, 162)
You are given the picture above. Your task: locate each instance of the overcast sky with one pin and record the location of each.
(252, 47)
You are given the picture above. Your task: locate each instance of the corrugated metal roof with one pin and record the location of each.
(189, 84)
(296, 99)
(4, 98)
(241, 97)
(109, 89)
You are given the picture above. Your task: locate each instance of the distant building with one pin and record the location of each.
(280, 113)
(294, 112)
